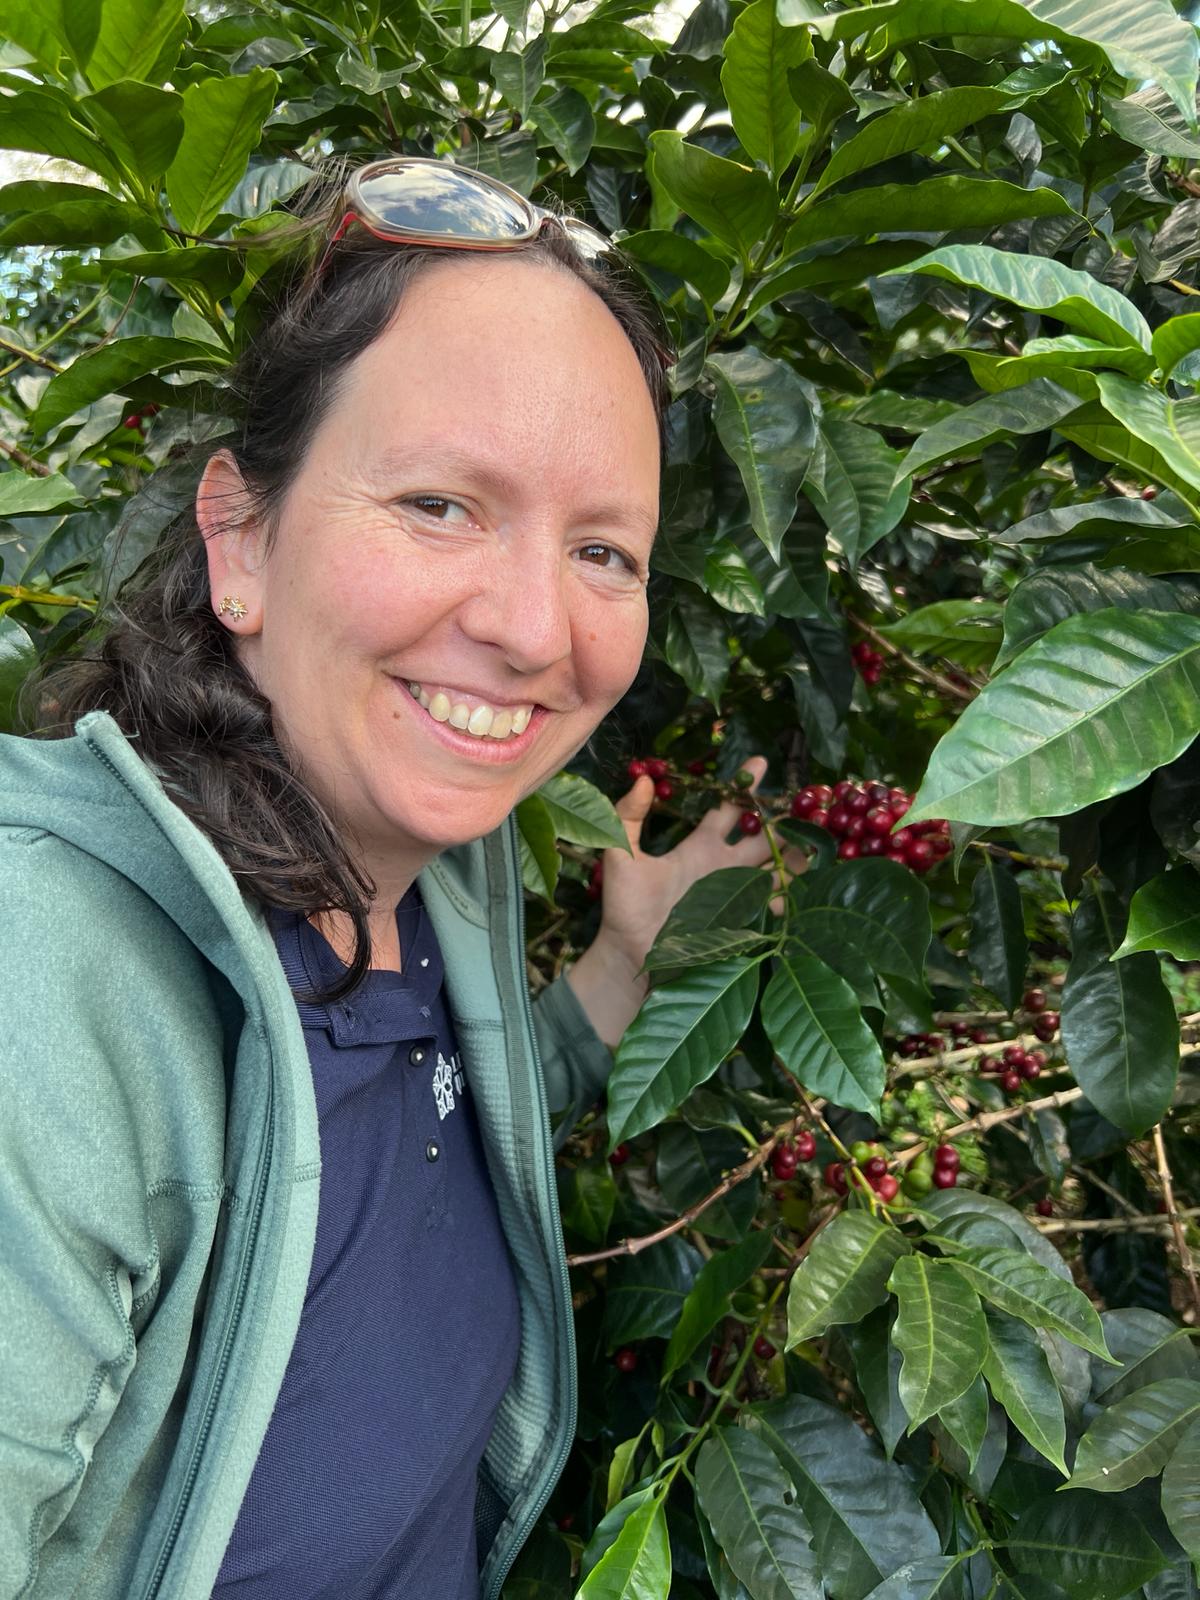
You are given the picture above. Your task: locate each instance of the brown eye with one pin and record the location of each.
(597, 555)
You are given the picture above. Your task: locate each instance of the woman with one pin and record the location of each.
(263, 943)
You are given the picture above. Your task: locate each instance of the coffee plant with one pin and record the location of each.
(882, 1241)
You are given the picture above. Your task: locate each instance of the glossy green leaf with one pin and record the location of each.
(1135, 1437)
(689, 1163)
(646, 1292)
(1165, 915)
(109, 368)
(813, 1021)
(976, 1218)
(38, 213)
(566, 118)
(1029, 409)
(222, 124)
(1020, 1378)
(1119, 1025)
(540, 861)
(1057, 356)
(877, 1368)
(731, 583)
(999, 948)
(607, 1530)
(765, 416)
(940, 1331)
(696, 643)
(734, 202)
(1181, 1492)
(731, 897)
(966, 1419)
(637, 1565)
(1177, 337)
(759, 54)
(18, 654)
(1050, 595)
(135, 39)
(931, 1578)
(932, 205)
(1150, 120)
(587, 1197)
(868, 912)
(1038, 283)
(865, 1514)
(24, 495)
(1091, 1547)
(963, 631)
(1024, 1288)
(620, 1466)
(581, 814)
(746, 1497)
(1116, 516)
(709, 1297)
(844, 1275)
(140, 124)
(862, 494)
(1053, 734)
(822, 96)
(518, 74)
(680, 1036)
(1148, 1345)
(671, 951)
(1169, 427)
(676, 253)
(39, 122)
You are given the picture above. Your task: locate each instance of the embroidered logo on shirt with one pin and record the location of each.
(443, 1087)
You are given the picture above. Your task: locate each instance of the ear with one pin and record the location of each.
(234, 539)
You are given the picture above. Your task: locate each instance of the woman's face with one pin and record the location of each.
(472, 522)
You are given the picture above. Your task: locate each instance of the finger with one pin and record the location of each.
(634, 807)
(723, 817)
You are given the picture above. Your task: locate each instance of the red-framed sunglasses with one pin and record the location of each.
(424, 200)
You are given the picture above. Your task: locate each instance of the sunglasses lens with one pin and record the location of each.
(447, 202)
(587, 240)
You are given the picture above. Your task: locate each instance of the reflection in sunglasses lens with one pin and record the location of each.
(443, 200)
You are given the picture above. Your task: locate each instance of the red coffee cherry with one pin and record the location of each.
(664, 788)
(637, 769)
(875, 1168)
(1010, 1081)
(626, 1359)
(887, 1188)
(946, 1156)
(784, 1162)
(945, 1177)
(849, 850)
(835, 1177)
(804, 803)
(763, 1348)
(619, 1156)
(750, 823)
(1045, 1206)
(806, 1146)
(1034, 1000)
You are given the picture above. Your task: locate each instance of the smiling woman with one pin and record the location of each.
(314, 1165)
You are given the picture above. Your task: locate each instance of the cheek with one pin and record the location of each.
(610, 643)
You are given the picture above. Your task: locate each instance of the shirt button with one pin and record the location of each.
(416, 1055)
(432, 1150)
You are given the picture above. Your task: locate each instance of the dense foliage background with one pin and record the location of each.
(929, 524)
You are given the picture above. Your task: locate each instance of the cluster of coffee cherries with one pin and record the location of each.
(788, 1155)
(871, 1160)
(869, 663)
(862, 815)
(137, 419)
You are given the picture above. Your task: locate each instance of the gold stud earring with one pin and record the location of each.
(234, 607)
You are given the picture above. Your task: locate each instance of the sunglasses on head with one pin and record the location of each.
(423, 200)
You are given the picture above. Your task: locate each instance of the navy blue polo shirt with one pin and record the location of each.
(365, 1485)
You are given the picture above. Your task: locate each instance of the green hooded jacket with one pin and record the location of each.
(160, 1168)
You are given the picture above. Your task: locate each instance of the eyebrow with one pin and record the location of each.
(498, 482)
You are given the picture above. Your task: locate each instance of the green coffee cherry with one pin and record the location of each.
(743, 779)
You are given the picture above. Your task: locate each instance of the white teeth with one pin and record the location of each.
(438, 707)
(520, 720)
(460, 715)
(414, 689)
(483, 721)
(501, 725)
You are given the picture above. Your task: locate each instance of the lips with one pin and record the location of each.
(472, 714)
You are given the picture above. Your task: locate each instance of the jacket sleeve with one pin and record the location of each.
(575, 1061)
(75, 1238)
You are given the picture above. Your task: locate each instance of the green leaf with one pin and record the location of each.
(1148, 1345)
(1121, 515)
(1170, 427)
(1093, 1548)
(746, 1497)
(863, 493)
(877, 1368)
(966, 1419)
(730, 582)
(23, 495)
(682, 1033)
(708, 1300)
(963, 631)
(1058, 356)
(141, 125)
(1020, 1378)
(1025, 1289)
(582, 815)
(1134, 1438)
(566, 119)
(18, 655)
(518, 74)
(999, 949)
(940, 1331)
(645, 1293)
(689, 1163)
(679, 950)
(1119, 1025)
(1054, 593)
(110, 368)
(136, 39)
(1029, 409)
(844, 1275)
(932, 205)
(870, 912)
(765, 416)
(1177, 337)
(587, 1195)
(822, 96)
(1181, 1492)
(62, 214)
(759, 54)
(637, 1565)
(814, 1023)
(865, 1513)
(682, 256)
(38, 121)
(1164, 915)
(620, 1466)
(1151, 121)
(1038, 283)
(728, 898)
(696, 645)
(927, 1579)
(222, 124)
(734, 202)
(1053, 734)
(539, 853)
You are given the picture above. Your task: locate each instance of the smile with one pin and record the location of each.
(478, 718)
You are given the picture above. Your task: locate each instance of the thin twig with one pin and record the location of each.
(962, 1054)
(918, 669)
(1135, 1224)
(1046, 863)
(24, 459)
(29, 355)
(1173, 1216)
(992, 1119)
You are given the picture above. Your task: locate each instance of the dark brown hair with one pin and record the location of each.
(165, 667)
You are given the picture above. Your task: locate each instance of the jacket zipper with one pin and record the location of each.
(537, 1501)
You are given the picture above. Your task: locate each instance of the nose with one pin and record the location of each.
(523, 606)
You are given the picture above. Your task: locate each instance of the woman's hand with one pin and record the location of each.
(639, 893)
